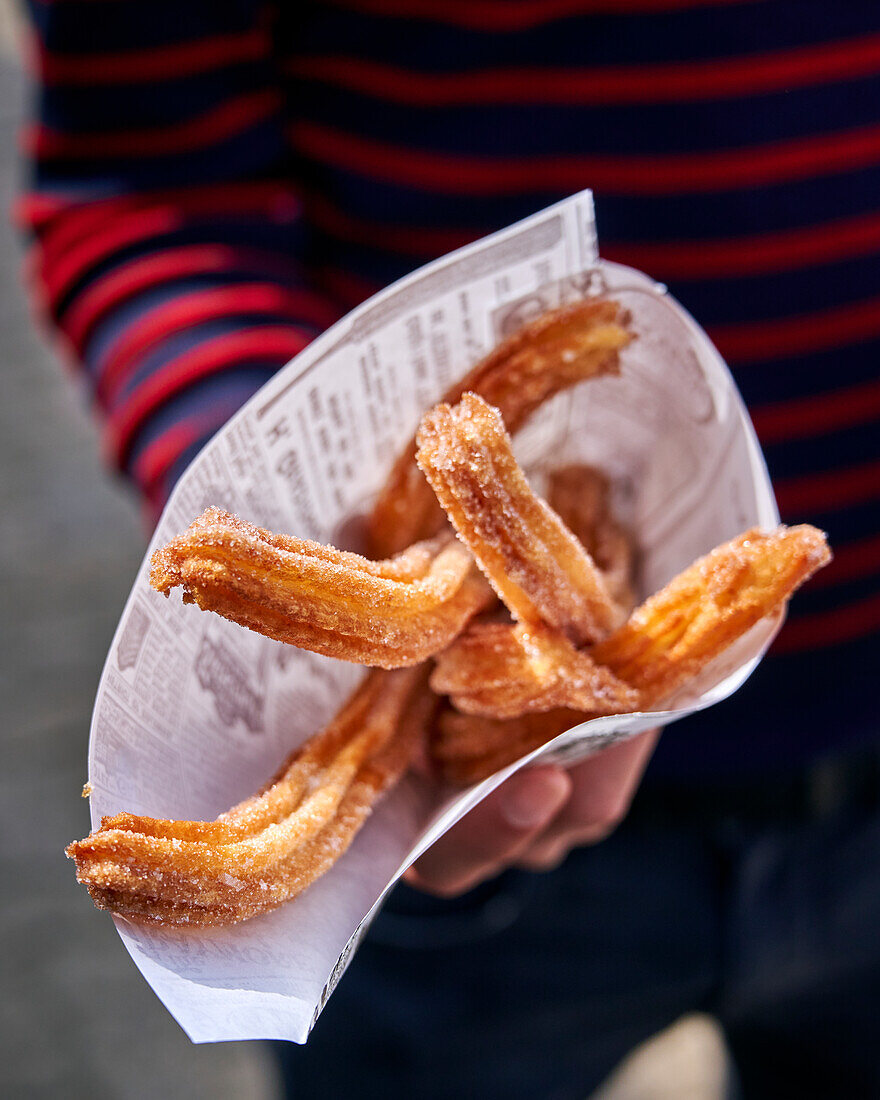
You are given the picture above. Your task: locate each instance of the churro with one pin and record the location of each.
(558, 350)
(503, 671)
(271, 846)
(580, 495)
(673, 635)
(467, 748)
(534, 563)
(385, 614)
(663, 645)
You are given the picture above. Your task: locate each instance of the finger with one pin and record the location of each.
(493, 833)
(543, 855)
(550, 849)
(603, 787)
(602, 790)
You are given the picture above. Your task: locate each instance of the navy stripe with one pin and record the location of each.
(539, 129)
(784, 379)
(857, 521)
(579, 41)
(837, 450)
(91, 109)
(815, 600)
(247, 152)
(176, 343)
(241, 382)
(793, 708)
(763, 298)
(74, 27)
(624, 219)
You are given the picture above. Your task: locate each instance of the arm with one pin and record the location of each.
(167, 239)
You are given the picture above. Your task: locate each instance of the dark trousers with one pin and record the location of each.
(759, 904)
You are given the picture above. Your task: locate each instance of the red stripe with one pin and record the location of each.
(812, 332)
(173, 61)
(211, 128)
(611, 84)
(512, 15)
(155, 459)
(828, 492)
(851, 562)
(124, 282)
(33, 211)
(719, 170)
(123, 226)
(818, 413)
(762, 254)
(73, 219)
(266, 343)
(55, 276)
(824, 628)
(198, 307)
(134, 277)
(153, 478)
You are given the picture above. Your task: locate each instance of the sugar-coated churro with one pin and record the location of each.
(673, 635)
(535, 564)
(503, 671)
(579, 494)
(270, 847)
(663, 645)
(559, 349)
(386, 614)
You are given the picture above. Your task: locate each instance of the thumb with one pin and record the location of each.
(493, 833)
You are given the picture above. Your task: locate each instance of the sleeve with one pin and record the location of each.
(167, 239)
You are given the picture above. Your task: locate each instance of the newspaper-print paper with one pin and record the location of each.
(193, 713)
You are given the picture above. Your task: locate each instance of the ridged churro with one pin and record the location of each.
(535, 564)
(503, 671)
(663, 645)
(580, 495)
(385, 614)
(467, 748)
(269, 847)
(673, 635)
(558, 350)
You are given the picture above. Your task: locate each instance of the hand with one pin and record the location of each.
(535, 818)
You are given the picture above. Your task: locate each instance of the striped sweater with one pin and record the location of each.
(212, 184)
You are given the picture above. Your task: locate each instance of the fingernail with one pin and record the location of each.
(533, 796)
